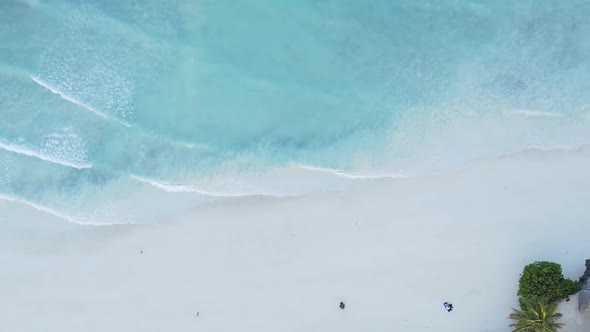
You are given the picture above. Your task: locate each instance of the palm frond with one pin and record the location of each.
(536, 315)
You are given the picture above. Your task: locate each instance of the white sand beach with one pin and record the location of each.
(393, 251)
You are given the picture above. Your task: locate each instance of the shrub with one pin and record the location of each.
(570, 287)
(545, 279)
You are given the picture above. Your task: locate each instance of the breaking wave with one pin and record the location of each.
(111, 104)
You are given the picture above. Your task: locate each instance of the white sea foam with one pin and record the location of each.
(348, 175)
(8, 198)
(74, 100)
(525, 112)
(99, 79)
(277, 182)
(81, 220)
(188, 188)
(31, 153)
(542, 149)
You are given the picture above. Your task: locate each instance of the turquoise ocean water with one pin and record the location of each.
(128, 111)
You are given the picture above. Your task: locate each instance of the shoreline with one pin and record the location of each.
(301, 179)
(393, 250)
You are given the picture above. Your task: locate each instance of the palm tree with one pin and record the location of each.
(536, 315)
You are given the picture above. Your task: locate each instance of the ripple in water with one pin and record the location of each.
(90, 65)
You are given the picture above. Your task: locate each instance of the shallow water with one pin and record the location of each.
(108, 104)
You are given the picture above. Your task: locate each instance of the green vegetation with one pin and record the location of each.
(541, 288)
(545, 279)
(536, 315)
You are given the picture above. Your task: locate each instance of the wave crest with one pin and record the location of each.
(24, 150)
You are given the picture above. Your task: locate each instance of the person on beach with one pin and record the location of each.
(448, 306)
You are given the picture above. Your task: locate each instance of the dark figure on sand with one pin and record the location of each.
(448, 306)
